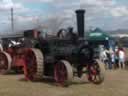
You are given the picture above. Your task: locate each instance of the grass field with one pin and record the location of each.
(115, 84)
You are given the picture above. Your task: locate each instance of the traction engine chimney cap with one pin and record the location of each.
(80, 11)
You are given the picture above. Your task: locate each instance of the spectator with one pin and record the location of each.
(116, 57)
(105, 59)
(112, 58)
(121, 58)
(108, 53)
(102, 53)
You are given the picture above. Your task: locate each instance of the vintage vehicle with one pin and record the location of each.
(64, 57)
(61, 58)
(10, 57)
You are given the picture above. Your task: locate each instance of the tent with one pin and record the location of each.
(98, 37)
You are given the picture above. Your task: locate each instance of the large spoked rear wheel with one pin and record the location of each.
(96, 72)
(5, 62)
(63, 73)
(33, 69)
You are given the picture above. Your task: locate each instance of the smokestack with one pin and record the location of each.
(12, 20)
(80, 22)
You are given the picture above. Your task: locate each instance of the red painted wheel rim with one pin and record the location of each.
(93, 73)
(60, 73)
(30, 67)
(3, 63)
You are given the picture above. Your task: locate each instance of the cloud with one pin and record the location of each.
(96, 10)
(25, 18)
(46, 1)
(7, 4)
(119, 11)
(102, 13)
(23, 23)
(41, 1)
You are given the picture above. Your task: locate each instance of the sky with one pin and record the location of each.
(51, 15)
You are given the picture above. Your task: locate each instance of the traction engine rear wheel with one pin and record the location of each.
(5, 62)
(63, 73)
(96, 72)
(33, 69)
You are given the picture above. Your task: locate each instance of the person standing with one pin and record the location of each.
(101, 53)
(116, 57)
(108, 54)
(112, 58)
(103, 57)
(121, 58)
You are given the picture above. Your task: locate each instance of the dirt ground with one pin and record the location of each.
(115, 84)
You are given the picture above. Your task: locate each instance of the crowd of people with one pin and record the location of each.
(113, 58)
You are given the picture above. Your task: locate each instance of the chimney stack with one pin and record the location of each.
(80, 22)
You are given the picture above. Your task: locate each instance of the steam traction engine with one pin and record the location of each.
(11, 57)
(15, 52)
(64, 57)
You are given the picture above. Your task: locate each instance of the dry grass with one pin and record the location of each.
(116, 84)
